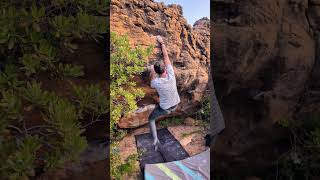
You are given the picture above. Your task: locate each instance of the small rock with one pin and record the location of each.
(190, 121)
(187, 140)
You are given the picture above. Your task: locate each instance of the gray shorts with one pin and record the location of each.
(158, 111)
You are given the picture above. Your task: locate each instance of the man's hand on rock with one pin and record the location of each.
(159, 39)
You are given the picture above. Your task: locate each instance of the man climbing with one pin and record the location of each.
(164, 81)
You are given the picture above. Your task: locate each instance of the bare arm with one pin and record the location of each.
(152, 73)
(164, 51)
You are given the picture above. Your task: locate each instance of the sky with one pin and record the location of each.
(193, 10)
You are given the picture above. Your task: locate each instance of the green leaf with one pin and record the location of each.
(11, 43)
(71, 70)
(36, 27)
(35, 37)
(21, 163)
(11, 104)
(9, 78)
(91, 99)
(31, 64)
(73, 46)
(34, 11)
(3, 38)
(47, 49)
(35, 95)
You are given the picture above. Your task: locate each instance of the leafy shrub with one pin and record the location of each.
(204, 112)
(9, 78)
(21, 163)
(44, 31)
(63, 116)
(61, 133)
(125, 63)
(173, 121)
(302, 161)
(71, 70)
(31, 64)
(35, 37)
(119, 168)
(115, 161)
(91, 99)
(35, 95)
(11, 105)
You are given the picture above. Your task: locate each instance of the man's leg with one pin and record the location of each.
(153, 130)
(156, 113)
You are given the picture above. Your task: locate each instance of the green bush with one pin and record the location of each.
(35, 37)
(117, 166)
(9, 78)
(37, 34)
(302, 161)
(204, 112)
(125, 63)
(172, 121)
(91, 99)
(21, 163)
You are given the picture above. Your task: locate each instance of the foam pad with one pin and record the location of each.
(170, 149)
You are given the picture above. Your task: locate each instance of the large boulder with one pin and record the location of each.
(265, 63)
(137, 118)
(188, 46)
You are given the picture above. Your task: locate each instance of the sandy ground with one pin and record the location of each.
(190, 137)
(193, 143)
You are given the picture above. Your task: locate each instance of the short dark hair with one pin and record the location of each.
(159, 68)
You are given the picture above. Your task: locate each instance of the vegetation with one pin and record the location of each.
(302, 161)
(125, 63)
(34, 39)
(204, 113)
(183, 135)
(173, 121)
(118, 167)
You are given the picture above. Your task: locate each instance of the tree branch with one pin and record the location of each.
(91, 123)
(16, 128)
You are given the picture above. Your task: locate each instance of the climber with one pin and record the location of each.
(163, 80)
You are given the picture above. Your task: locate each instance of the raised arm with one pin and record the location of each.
(164, 51)
(152, 73)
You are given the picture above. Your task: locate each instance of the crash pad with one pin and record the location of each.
(170, 150)
(196, 167)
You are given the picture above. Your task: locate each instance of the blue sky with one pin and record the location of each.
(193, 10)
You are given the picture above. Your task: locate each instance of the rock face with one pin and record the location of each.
(266, 68)
(188, 47)
(137, 118)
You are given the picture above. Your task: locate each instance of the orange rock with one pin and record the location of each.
(137, 118)
(188, 46)
(190, 121)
